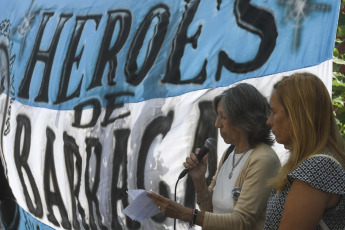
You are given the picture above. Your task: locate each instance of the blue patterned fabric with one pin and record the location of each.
(322, 173)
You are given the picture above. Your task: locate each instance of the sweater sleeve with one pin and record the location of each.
(250, 208)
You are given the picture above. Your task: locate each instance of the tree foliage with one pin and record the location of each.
(338, 84)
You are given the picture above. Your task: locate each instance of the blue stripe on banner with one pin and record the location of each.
(69, 166)
(113, 52)
(14, 217)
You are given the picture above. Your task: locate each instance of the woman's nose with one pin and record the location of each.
(217, 123)
(269, 122)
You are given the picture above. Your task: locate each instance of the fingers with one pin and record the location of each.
(192, 160)
(168, 207)
(155, 196)
(193, 155)
(204, 159)
(158, 200)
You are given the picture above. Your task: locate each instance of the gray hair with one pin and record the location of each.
(248, 110)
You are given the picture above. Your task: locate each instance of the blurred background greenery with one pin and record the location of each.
(338, 84)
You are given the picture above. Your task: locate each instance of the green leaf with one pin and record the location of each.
(339, 41)
(341, 31)
(341, 20)
(338, 61)
(339, 101)
(338, 75)
(338, 85)
(341, 117)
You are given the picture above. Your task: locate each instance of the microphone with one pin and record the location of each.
(210, 144)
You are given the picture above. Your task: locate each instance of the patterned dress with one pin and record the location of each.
(322, 173)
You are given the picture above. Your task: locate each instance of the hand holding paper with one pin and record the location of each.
(142, 206)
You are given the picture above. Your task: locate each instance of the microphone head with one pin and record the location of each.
(211, 144)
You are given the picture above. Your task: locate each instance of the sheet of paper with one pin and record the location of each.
(142, 206)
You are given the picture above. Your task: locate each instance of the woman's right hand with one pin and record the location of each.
(197, 169)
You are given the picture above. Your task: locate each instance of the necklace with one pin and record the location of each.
(233, 163)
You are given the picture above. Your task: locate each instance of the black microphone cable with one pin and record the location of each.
(210, 144)
(175, 200)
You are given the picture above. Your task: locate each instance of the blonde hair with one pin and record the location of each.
(309, 107)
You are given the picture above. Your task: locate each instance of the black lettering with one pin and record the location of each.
(6, 112)
(46, 57)
(164, 190)
(108, 55)
(35, 56)
(160, 125)
(205, 129)
(21, 155)
(95, 147)
(5, 71)
(133, 75)
(53, 198)
(120, 166)
(259, 22)
(173, 74)
(95, 104)
(112, 106)
(8, 123)
(71, 58)
(71, 152)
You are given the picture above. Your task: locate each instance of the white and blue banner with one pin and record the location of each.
(99, 97)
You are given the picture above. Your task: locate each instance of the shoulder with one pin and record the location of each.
(264, 157)
(321, 172)
(262, 164)
(264, 152)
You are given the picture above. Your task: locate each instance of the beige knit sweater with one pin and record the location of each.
(249, 211)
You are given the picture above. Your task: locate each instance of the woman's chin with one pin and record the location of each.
(288, 147)
(226, 141)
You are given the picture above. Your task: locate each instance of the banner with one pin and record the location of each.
(99, 97)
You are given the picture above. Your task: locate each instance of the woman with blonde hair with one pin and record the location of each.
(309, 190)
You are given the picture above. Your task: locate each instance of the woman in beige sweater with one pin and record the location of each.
(238, 193)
